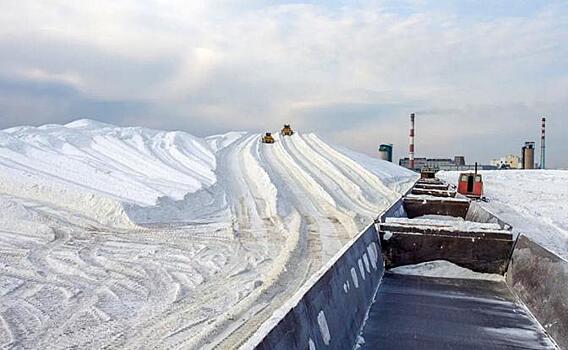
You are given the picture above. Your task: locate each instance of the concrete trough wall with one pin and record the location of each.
(329, 313)
(540, 279)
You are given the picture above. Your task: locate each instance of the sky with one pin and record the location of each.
(478, 74)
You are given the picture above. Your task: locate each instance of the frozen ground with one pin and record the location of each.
(136, 238)
(534, 202)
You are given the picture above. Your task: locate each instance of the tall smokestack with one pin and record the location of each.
(542, 145)
(411, 143)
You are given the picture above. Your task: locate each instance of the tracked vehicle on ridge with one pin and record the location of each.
(267, 138)
(287, 130)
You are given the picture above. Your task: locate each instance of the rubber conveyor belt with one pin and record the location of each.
(414, 312)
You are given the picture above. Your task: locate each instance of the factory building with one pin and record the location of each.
(457, 163)
(510, 161)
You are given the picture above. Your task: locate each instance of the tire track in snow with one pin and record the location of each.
(345, 191)
(374, 187)
(307, 192)
(290, 269)
(254, 222)
(310, 199)
(303, 261)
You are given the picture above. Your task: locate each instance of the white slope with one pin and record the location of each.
(137, 238)
(534, 202)
(86, 165)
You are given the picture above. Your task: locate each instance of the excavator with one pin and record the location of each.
(267, 138)
(287, 130)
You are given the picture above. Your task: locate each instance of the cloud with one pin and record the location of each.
(477, 73)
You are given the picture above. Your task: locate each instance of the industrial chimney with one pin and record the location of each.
(542, 145)
(411, 143)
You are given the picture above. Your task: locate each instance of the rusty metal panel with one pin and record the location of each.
(434, 192)
(477, 254)
(432, 186)
(429, 230)
(415, 207)
(540, 279)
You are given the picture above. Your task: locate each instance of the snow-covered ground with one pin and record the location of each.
(137, 238)
(534, 202)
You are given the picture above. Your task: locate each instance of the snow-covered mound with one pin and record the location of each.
(114, 237)
(130, 164)
(117, 175)
(534, 202)
(93, 167)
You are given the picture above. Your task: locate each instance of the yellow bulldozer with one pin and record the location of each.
(267, 138)
(287, 130)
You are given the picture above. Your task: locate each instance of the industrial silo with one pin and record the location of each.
(527, 153)
(385, 152)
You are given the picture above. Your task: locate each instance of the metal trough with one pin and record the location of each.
(355, 297)
(474, 246)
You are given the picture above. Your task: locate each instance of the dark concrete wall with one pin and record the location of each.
(540, 280)
(331, 312)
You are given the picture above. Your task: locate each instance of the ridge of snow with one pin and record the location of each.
(110, 163)
(88, 124)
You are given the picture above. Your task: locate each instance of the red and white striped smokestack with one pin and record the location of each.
(542, 145)
(411, 143)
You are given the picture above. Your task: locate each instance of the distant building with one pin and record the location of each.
(385, 152)
(459, 160)
(527, 153)
(510, 161)
(458, 163)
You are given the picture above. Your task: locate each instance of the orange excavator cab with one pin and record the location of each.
(471, 184)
